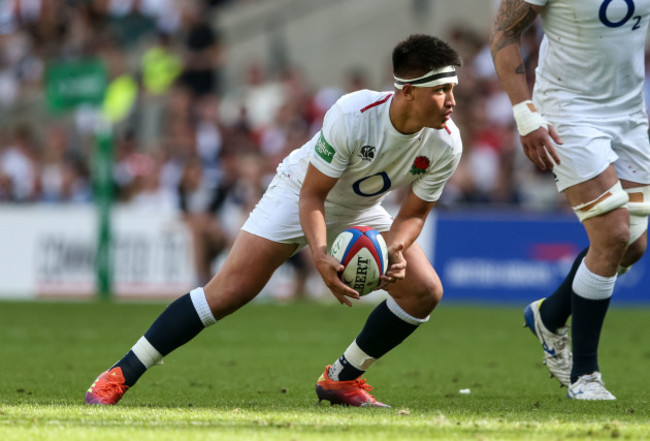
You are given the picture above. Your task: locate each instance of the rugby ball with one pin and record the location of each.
(362, 251)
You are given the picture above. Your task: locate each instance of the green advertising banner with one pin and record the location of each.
(71, 84)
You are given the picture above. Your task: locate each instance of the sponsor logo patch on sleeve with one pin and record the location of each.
(324, 150)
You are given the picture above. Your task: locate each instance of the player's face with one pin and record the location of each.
(434, 105)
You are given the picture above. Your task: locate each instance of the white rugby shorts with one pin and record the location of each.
(276, 218)
(591, 146)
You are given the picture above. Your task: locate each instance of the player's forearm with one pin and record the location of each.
(404, 230)
(312, 220)
(513, 18)
(512, 75)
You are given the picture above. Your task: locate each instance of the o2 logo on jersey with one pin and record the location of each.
(629, 5)
(372, 185)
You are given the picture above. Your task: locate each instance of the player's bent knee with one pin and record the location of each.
(619, 236)
(226, 298)
(634, 252)
(430, 296)
(612, 199)
(419, 302)
(436, 294)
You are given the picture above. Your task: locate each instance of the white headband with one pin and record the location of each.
(436, 77)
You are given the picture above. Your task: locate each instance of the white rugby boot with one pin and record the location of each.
(557, 349)
(589, 387)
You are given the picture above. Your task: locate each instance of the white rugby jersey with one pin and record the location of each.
(591, 60)
(359, 145)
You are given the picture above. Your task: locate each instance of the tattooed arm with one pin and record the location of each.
(513, 18)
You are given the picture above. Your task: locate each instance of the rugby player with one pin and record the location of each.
(371, 143)
(587, 123)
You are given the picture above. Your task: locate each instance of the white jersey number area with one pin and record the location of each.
(592, 57)
(612, 8)
(359, 146)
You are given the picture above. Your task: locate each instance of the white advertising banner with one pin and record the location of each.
(49, 251)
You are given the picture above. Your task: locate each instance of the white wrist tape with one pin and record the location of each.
(527, 117)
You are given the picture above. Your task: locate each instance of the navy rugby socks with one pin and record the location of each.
(183, 320)
(387, 326)
(556, 308)
(132, 368)
(177, 325)
(586, 324)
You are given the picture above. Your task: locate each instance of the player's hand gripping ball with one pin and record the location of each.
(362, 251)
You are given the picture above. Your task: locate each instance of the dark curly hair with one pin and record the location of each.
(420, 53)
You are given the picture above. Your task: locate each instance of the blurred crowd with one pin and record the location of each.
(183, 142)
(186, 143)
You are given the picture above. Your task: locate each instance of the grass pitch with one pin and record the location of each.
(252, 377)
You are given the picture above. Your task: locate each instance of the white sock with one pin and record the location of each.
(592, 286)
(146, 353)
(356, 357)
(202, 308)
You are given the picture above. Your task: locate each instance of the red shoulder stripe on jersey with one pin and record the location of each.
(447, 129)
(376, 103)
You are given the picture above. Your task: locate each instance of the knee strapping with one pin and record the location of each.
(639, 209)
(612, 199)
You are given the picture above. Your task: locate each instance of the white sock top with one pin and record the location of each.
(592, 286)
(202, 308)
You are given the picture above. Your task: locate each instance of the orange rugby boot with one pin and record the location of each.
(107, 389)
(347, 393)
